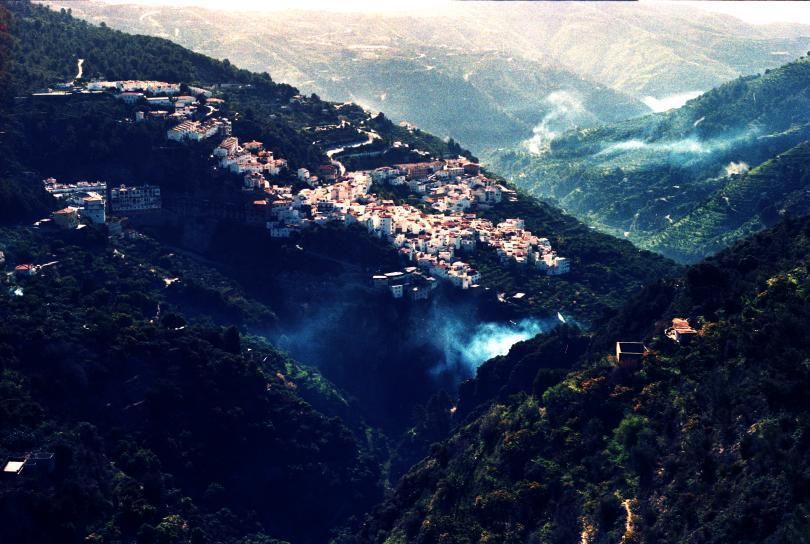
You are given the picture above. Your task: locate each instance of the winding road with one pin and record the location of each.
(332, 152)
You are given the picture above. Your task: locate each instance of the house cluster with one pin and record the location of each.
(250, 159)
(457, 175)
(84, 200)
(287, 213)
(409, 283)
(434, 242)
(513, 242)
(452, 188)
(153, 88)
(196, 131)
(88, 202)
(163, 98)
(326, 172)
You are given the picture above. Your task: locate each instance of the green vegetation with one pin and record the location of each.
(746, 204)
(173, 421)
(161, 423)
(660, 179)
(705, 442)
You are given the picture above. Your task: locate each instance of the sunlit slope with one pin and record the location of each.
(483, 74)
(639, 177)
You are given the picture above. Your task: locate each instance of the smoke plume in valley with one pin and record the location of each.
(466, 347)
(565, 111)
(692, 145)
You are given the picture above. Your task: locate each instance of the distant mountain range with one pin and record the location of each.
(486, 75)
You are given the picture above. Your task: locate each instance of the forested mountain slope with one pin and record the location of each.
(641, 176)
(746, 204)
(170, 422)
(165, 426)
(703, 442)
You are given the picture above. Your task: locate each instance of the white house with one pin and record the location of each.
(94, 209)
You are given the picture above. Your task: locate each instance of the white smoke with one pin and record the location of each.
(685, 146)
(669, 102)
(565, 110)
(466, 347)
(493, 339)
(737, 168)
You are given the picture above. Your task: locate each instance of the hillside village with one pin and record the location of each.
(432, 237)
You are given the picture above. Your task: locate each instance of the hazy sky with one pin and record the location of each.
(763, 12)
(751, 12)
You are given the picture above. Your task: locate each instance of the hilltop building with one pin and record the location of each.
(409, 283)
(94, 209)
(196, 131)
(681, 331)
(62, 190)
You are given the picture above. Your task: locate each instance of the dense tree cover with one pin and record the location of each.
(20, 200)
(705, 442)
(165, 429)
(663, 179)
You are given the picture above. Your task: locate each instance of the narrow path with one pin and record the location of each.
(79, 69)
(629, 522)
